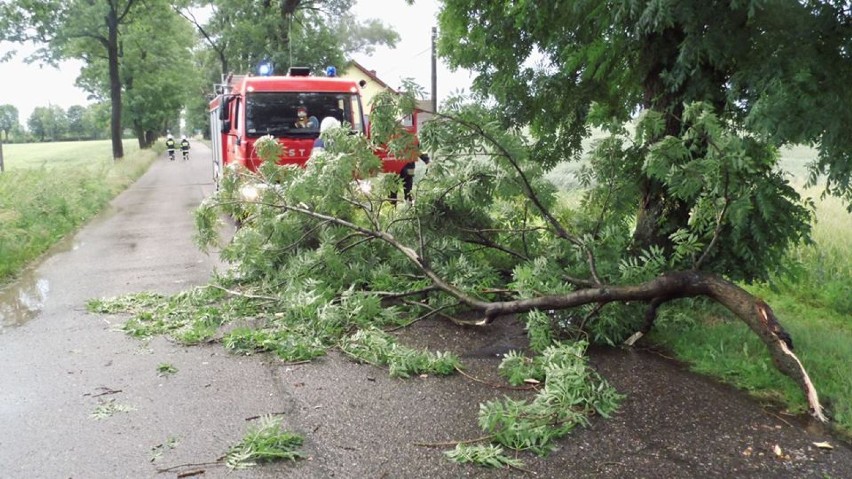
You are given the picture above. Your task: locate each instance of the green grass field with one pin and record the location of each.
(49, 189)
(63, 154)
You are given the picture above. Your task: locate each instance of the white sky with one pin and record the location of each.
(30, 86)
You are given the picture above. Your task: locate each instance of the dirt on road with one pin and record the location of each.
(80, 399)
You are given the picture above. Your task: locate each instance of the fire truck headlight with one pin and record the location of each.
(249, 193)
(364, 186)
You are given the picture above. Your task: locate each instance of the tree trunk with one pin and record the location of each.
(751, 310)
(140, 136)
(660, 215)
(114, 85)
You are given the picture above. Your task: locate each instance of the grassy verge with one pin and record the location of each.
(42, 200)
(813, 300)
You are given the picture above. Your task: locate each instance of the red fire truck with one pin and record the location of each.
(249, 107)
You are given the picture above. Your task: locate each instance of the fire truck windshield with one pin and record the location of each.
(298, 114)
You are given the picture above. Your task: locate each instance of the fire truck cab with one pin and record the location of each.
(249, 107)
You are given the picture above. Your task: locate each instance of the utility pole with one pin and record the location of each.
(434, 71)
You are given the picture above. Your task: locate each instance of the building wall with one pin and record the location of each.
(371, 89)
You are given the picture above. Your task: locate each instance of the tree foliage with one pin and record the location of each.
(160, 73)
(8, 119)
(48, 122)
(776, 68)
(290, 33)
(489, 235)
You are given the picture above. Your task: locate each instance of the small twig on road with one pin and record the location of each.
(296, 363)
(778, 417)
(107, 391)
(196, 472)
(497, 386)
(181, 466)
(453, 443)
(252, 418)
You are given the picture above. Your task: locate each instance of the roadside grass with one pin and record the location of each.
(43, 198)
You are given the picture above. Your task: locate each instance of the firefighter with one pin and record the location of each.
(305, 121)
(406, 174)
(184, 147)
(407, 177)
(170, 146)
(319, 143)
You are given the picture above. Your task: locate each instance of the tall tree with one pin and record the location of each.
(48, 122)
(159, 74)
(8, 119)
(77, 127)
(78, 29)
(289, 33)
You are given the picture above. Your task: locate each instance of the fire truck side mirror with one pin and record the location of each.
(226, 126)
(226, 105)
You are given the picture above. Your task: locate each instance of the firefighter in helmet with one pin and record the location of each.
(170, 146)
(184, 147)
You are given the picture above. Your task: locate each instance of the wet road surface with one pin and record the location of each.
(79, 399)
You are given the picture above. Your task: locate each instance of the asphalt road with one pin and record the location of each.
(80, 399)
(60, 366)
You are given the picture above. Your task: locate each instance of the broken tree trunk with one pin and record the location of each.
(748, 308)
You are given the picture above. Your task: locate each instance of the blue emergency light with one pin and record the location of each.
(264, 68)
(330, 71)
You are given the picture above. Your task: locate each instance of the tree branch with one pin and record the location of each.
(529, 191)
(389, 239)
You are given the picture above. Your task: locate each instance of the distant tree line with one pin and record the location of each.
(154, 63)
(53, 123)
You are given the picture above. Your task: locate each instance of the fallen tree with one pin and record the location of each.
(487, 232)
(678, 196)
(323, 260)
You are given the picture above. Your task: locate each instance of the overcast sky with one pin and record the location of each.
(30, 86)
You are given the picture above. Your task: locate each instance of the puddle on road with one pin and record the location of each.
(24, 298)
(22, 301)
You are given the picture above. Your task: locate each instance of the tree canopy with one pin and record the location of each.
(90, 31)
(141, 57)
(8, 119)
(289, 33)
(779, 69)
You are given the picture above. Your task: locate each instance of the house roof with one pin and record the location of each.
(422, 105)
(372, 75)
